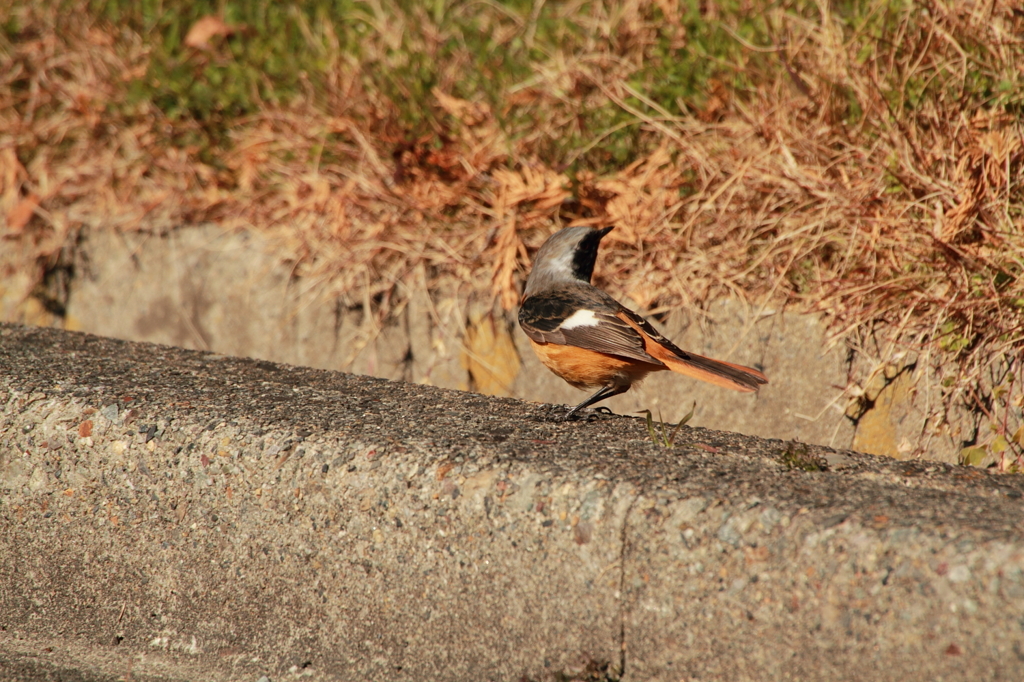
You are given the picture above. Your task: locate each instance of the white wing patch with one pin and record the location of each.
(580, 318)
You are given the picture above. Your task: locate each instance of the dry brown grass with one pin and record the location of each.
(866, 175)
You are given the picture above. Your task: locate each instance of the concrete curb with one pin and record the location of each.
(167, 514)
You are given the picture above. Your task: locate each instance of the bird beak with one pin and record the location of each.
(605, 230)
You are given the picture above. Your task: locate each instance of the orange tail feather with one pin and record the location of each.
(717, 372)
(724, 374)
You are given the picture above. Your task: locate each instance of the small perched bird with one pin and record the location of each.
(591, 340)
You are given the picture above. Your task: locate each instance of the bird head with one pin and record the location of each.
(568, 255)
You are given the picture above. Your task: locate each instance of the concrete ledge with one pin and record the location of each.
(173, 515)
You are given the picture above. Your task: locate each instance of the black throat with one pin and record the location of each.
(586, 255)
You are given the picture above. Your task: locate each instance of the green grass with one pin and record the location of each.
(287, 50)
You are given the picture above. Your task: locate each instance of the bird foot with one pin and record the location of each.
(589, 414)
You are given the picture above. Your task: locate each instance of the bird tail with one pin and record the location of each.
(724, 374)
(717, 372)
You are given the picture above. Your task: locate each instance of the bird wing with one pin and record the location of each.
(582, 317)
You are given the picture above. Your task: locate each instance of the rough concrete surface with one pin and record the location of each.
(175, 515)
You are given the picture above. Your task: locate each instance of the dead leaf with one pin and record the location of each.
(19, 216)
(204, 30)
(469, 113)
(100, 37)
(489, 355)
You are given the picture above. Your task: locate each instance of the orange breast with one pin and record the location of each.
(589, 369)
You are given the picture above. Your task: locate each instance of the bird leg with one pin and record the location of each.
(605, 392)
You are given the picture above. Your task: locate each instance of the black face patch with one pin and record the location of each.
(586, 254)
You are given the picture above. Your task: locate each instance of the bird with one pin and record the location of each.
(591, 340)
